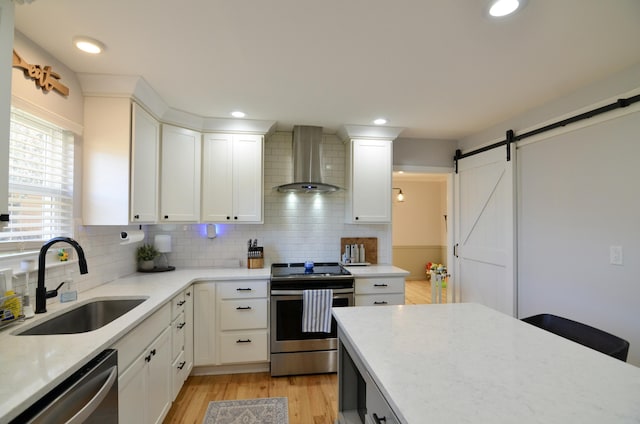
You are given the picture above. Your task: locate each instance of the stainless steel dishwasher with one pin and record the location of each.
(90, 395)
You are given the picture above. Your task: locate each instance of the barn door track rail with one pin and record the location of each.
(511, 138)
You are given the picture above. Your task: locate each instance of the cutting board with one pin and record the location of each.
(370, 247)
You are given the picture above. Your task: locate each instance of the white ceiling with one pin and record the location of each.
(438, 68)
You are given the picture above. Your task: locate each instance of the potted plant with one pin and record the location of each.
(145, 255)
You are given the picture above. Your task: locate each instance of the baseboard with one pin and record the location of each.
(230, 369)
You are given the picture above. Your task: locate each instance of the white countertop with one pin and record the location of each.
(377, 271)
(30, 366)
(466, 363)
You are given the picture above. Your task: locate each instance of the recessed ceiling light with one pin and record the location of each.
(88, 45)
(500, 8)
(238, 114)
(380, 121)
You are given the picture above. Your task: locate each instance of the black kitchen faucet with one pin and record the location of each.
(41, 291)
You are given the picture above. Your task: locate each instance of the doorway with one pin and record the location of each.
(420, 213)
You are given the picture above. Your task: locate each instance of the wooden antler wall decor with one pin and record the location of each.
(44, 77)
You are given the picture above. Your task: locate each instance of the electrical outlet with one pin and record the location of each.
(615, 255)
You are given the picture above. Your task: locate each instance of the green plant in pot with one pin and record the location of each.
(145, 255)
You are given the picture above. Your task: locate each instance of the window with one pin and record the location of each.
(40, 180)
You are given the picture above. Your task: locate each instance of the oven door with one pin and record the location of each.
(286, 322)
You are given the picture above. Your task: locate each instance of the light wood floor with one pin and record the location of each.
(312, 398)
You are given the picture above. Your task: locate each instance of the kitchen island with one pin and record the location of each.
(459, 363)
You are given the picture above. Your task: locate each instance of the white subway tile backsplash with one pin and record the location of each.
(296, 228)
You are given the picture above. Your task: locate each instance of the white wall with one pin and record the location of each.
(423, 152)
(578, 194)
(65, 111)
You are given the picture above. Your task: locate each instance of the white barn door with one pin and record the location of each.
(484, 230)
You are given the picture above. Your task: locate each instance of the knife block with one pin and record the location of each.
(253, 263)
(255, 258)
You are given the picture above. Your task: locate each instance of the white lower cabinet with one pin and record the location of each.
(144, 387)
(379, 291)
(181, 339)
(154, 360)
(243, 321)
(204, 324)
(231, 323)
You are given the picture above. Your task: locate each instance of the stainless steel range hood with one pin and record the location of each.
(307, 162)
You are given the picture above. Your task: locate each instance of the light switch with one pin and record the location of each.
(615, 255)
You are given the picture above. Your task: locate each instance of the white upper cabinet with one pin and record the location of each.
(369, 176)
(120, 162)
(232, 175)
(145, 154)
(180, 175)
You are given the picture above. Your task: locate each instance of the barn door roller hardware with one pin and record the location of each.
(512, 138)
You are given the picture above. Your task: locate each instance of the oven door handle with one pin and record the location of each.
(276, 292)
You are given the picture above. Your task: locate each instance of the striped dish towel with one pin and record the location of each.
(316, 311)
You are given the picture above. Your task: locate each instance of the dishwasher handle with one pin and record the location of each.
(96, 400)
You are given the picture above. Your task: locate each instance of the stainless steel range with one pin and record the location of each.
(293, 351)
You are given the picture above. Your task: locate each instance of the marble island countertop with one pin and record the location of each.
(466, 363)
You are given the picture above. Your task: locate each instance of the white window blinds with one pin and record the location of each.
(40, 180)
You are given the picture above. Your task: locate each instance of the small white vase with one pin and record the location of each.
(146, 265)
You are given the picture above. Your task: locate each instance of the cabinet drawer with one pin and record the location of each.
(379, 285)
(243, 314)
(178, 370)
(242, 289)
(246, 346)
(178, 329)
(379, 299)
(177, 305)
(130, 346)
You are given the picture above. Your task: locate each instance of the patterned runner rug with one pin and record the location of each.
(249, 411)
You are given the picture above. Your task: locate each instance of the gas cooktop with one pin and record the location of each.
(299, 270)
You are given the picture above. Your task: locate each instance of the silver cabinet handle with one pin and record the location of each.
(93, 404)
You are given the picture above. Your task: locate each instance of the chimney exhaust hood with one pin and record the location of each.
(307, 162)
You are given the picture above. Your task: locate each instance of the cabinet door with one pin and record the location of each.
(188, 335)
(159, 377)
(371, 172)
(180, 175)
(247, 178)
(204, 327)
(132, 393)
(105, 161)
(217, 178)
(145, 155)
